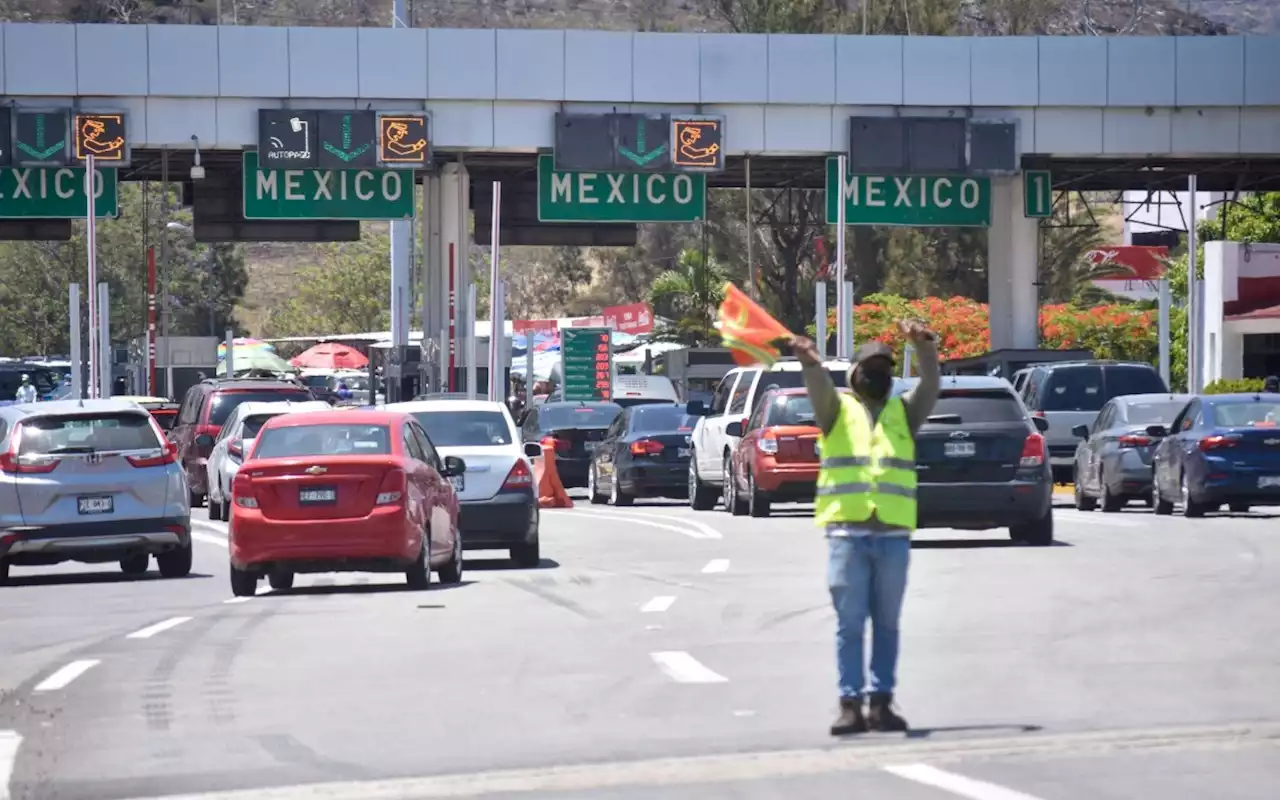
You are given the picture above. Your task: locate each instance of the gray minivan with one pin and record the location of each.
(1067, 394)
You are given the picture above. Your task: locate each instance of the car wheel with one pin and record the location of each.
(734, 503)
(1159, 504)
(1190, 508)
(280, 581)
(1037, 533)
(135, 565)
(701, 496)
(1083, 501)
(1110, 503)
(617, 496)
(1238, 508)
(226, 509)
(758, 502)
(175, 563)
(526, 556)
(593, 488)
(196, 498)
(4, 565)
(452, 572)
(418, 574)
(215, 509)
(243, 582)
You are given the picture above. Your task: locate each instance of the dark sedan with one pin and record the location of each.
(1113, 460)
(644, 453)
(1220, 450)
(572, 429)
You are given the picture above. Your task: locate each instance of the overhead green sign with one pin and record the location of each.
(1037, 193)
(586, 359)
(951, 201)
(569, 196)
(56, 193)
(326, 193)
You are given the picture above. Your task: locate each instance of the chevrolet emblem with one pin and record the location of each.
(316, 470)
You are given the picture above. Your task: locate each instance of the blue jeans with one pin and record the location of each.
(867, 576)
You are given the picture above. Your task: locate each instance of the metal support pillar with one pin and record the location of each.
(77, 359)
(104, 340)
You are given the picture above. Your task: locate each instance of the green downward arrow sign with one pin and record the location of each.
(345, 156)
(641, 158)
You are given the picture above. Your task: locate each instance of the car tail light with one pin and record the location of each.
(646, 447)
(1033, 452)
(1218, 442)
(392, 488)
(1134, 440)
(10, 463)
(767, 443)
(559, 445)
(520, 478)
(168, 455)
(242, 491)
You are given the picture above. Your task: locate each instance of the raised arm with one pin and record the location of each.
(817, 380)
(922, 397)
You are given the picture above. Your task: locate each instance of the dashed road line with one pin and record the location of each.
(1096, 518)
(716, 565)
(63, 677)
(684, 668)
(209, 538)
(159, 627)
(661, 603)
(956, 784)
(698, 531)
(230, 600)
(706, 530)
(9, 743)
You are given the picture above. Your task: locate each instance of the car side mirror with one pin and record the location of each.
(454, 466)
(236, 449)
(204, 440)
(733, 429)
(1080, 431)
(1157, 431)
(696, 408)
(1041, 424)
(533, 449)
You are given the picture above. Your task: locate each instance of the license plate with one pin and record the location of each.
(317, 495)
(95, 505)
(958, 449)
(459, 482)
(683, 452)
(1268, 481)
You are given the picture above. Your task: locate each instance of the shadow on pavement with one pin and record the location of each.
(925, 733)
(505, 564)
(72, 578)
(972, 544)
(367, 588)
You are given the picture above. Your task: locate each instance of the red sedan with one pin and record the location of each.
(777, 457)
(344, 491)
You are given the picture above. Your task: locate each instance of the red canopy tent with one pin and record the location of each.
(330, 355)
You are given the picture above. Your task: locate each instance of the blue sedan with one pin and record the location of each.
(1222, 449)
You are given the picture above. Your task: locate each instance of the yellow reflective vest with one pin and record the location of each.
(868, 469)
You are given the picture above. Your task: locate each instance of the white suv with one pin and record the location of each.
(733, 401)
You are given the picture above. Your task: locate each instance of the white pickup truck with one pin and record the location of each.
(733, 401)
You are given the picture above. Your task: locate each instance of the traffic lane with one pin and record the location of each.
(53, 612)
(513, 668)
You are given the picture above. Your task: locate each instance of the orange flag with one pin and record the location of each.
(747, 329)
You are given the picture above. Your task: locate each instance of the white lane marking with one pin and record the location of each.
(159, 627)
(229, 599)
(716, 565)
(1075, 516)
(9, 742)
(692, 533)
(209, 538)
(63, 677)
(956, 784)
(707, 531)
(684, 668)
(658, 604)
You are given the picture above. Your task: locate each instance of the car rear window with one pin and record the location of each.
(578, 415)
(1246, 415)
(1075, 389)
(978, 405)
(791, 379)
(226, 402)
(253, 424)
(165, 417)
(87, 433)
(1133, 379)
(791, 409)
(1153, 413)
(292, 441)
(473, 428)
(661, 419)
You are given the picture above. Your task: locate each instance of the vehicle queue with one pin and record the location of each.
(410, 487)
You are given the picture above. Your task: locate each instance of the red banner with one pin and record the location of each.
(535, 325)
(632, 318)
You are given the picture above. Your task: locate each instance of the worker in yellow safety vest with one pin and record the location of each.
(866, 504)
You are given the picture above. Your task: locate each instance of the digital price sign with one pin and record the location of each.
(586, 364)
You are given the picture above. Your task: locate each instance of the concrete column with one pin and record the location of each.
(455, 236)
(433, 279)
(1013, 254)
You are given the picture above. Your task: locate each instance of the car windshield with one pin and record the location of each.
(977, 405)
(356, 383)
(1074, 389)
(253, 424)
(87, 433)
(790, 409)
(291, 441)
(1125, 379)
(226, 402)
(314, 381)
(471, 428)
(1153, 413)
(577, 415)
(661, 419)
(1261, 414)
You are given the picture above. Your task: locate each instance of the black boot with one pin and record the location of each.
(882, 717)
(851, 719)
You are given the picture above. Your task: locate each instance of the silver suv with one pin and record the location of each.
(93, 481)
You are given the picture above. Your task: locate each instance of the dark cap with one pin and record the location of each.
(873, 350)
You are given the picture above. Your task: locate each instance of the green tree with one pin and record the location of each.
(691, 295)
(347, 291)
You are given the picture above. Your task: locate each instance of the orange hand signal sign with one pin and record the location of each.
(101, 136)
(403, 140)
(697, 143)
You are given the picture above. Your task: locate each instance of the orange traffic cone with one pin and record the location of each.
(551, 493)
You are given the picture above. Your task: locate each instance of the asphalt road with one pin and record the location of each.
(659, 652)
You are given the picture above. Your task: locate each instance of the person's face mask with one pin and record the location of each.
(873, 380)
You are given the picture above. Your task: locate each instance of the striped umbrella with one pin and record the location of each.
(246, 345)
